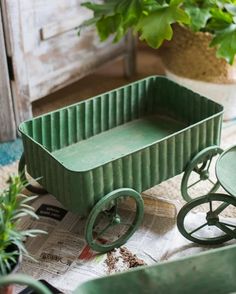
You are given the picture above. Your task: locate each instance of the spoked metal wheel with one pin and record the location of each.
(206, 220)
(35, 188)
(110, 224)
(199, 177)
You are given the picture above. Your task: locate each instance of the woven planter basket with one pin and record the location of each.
(188, 55)
(189, 61)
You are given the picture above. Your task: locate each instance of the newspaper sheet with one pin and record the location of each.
(63, 258)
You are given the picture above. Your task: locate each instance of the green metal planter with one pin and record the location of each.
(209, 272)
(112, 147)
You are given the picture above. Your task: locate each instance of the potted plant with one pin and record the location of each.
(13, 206)
(202, 35)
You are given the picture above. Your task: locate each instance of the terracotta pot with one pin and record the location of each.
(189, 61)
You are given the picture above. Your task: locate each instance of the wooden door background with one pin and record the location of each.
(45, 50)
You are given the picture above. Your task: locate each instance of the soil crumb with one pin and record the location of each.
(122, 259)
(131, 259)
(111, 261)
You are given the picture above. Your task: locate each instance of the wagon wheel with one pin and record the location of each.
(25, 178)
(200, 172)
(109, 224)
(209, 226)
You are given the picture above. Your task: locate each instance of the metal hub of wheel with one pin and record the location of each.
(205, 220)
(116, 220)
(204, 175)
(212, 219)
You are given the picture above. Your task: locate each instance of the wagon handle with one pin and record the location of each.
(21, 279)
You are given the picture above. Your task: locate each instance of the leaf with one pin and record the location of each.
(225, 41)
(27, 206)
(2, 266)
(13, 206)
(23, 212)
(220, 20)
(28, 199)
(130, 11)
(125, 14)
(156, 27)
(8, 266)
(215, 25)
(231, 8)
(151, 5)
(108, 25)
(21, 246)
(100, 9)
(33, 232)
(198, 16)
(175, 2)
(221, 15)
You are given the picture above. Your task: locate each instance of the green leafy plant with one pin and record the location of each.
(14, 206)
(153, 20)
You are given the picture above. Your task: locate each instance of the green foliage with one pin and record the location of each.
(14, 206)
(153, 19)
(226, 42)
(155, 27)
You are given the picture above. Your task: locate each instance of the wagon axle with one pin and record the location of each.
(204, 175)
(212, 218)
(116, 220)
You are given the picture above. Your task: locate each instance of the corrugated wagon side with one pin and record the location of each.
(190, 123)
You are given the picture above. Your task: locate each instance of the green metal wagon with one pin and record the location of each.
(110, 148)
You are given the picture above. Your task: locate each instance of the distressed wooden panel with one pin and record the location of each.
(11, 12)
(7, 119)
(52, 53)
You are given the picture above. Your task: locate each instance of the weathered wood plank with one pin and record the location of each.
(20, 86)
(7, 119)
(53, 53)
